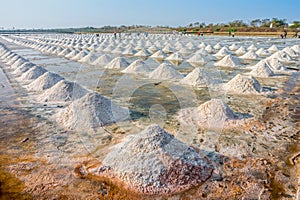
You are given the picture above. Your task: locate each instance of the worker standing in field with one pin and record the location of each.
(284, 33)
(115, 34)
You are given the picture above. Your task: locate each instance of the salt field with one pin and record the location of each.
(149, 116)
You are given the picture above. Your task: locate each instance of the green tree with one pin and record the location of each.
(296, 24)
(265, 23)
(255, 23)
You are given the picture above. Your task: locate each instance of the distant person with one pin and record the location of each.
(284, 33)
(229, 33)
(202, 34)
(120, 35)
(115, 34)
(296, 34)
(199, 33)
(232, 34)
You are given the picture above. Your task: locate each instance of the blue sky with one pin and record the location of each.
(97, 13)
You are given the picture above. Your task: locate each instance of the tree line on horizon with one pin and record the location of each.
(258, 23)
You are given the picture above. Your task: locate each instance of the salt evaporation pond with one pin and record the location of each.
(244, 143)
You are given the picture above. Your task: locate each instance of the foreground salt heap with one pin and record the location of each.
(211, 114)
(63, 91)
(91, 112)
(44, 82)
(242, 84)
(152, 162)
(32, 73)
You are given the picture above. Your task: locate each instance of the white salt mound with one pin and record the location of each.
(137, 66)
(296, 48)
(196, 78)
(241, 51)
(89, 59)
(33, 73)
(222, 52)
(273, 48)
(63, 91)
(159, 55)
(262, 69)
(23, 68)
(228, 61)
(102, 60)
(175, 57)
(117, 63)
(262, 52)
(143, 53)
(153, 162)
(90, 113)
(282, 56)
(250, 55)
(242, 84)
(44, 82)
(275, 64)
(211, 114)
(165, 72)
(198, 59)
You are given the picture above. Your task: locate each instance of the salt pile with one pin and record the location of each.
(153, 162)
(242, 84)
(90, 113)
(63, 91)
(228, 61)
(175, 57)
(252, 47)
(65, 52)
(79, 56)
(44, 82)
(198, 59)
(117, 63)
(159, 55)
(168, 49)
(250, 55)
(282, 56)
(209, 49)
(195, 78)
(89, 59)
(222, 52)
(211, 114)
(262, 52)
(273, 48)
(129, 51)
(165, 72)
(290, 52)
(296, 48)
(241, 51)
(143, 53)
(72, 54)
(32, 73)
(137, 66)
(18, 63)
(233, 47)
(275, 64)
(102, 60)
(218, 46)
(185, 51)
(262, 69)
